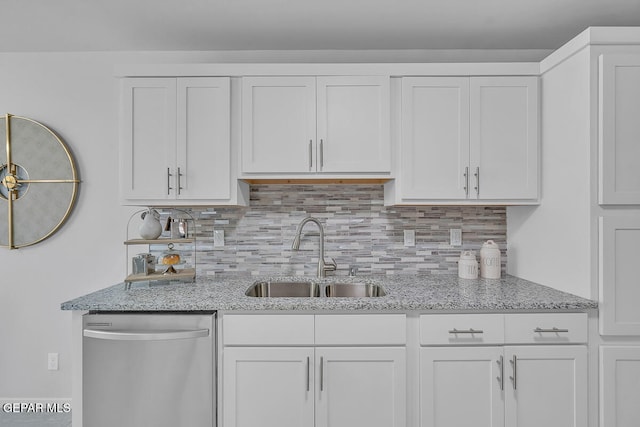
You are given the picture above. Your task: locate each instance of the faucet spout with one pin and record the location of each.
(323, 266)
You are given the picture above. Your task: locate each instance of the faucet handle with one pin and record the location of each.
(331, 265)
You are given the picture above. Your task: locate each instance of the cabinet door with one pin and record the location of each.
(147, 143)
(203, 139)
(435, 137)
(360, 387)
(268, 387)
(278, 124)
(353, 124)
(547, 386)
(461, 387)
(504, 138)
(618, 279)
(619, 105)
(619, 386)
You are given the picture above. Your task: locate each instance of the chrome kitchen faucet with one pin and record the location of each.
(323, 266)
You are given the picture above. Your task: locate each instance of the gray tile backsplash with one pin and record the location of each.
(359, 231)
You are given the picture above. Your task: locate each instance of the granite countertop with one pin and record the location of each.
(404, 292)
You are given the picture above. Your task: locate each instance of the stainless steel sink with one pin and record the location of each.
(306, 289)
(354, 290)
(283, 289)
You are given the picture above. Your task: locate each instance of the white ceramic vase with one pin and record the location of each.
(151, 227)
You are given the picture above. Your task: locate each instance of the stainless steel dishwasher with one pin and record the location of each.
(148, 370)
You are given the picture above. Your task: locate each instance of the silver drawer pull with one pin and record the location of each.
(466, 331)
(551, 331)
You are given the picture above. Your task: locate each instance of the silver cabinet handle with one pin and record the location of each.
(115, 335)
(466, 181)
(466, 331)
(169, 175)
(501, 377)
(179, 183)
(514, 367)
(477, 175)
(321, 373)
(310, 154)
(551, 331)
(321, 154)
(308, 373)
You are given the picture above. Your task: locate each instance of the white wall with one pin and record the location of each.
(550, 243)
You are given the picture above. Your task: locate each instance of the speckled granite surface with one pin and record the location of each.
(432, 292)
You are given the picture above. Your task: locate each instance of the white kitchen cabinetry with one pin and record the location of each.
(468, 140)
(460, 386)
(466, 382)
(328, 125)
(619, 290)
(286, 380)
(175, 143)
(547, 386)
(619, 129)
(272, 386)
(360, 386)
(619, 386)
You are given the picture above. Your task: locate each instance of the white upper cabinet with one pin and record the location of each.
(353, 124)
(147, 143)
(278, 124)
(435, 137)
(301, 125)
(619, 129)
(203, 146)
(175, 144)
(504, 138)
(468, 139)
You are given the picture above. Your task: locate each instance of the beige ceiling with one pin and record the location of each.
(80, 25)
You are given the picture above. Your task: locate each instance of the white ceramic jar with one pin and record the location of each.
(490, 266)
(467, 265)
(151, 227)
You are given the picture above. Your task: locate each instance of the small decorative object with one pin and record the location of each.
(468, 265)
(144, 264)
(38, 182)
(490, 260)
(170, 258)
(151, 227)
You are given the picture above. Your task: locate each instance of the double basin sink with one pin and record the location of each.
(311, 289)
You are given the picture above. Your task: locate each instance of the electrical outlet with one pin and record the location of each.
(52, 361)
(455, 237)
(409, 237)
(218, 238)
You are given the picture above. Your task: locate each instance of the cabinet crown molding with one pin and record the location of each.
(327, 69)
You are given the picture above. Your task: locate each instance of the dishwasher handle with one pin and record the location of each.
(158, 335)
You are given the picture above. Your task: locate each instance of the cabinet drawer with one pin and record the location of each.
(361, 329)
(461, 329)
(561, 328)
(267, 329)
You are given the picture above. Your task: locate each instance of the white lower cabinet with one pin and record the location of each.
(460, 386)
(360, 387)
(268, 387)
(271, 379)
(547, 386)
(467, 385)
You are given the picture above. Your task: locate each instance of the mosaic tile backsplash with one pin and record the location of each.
(359, 232)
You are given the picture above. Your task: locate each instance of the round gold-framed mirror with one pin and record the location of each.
(38, 182)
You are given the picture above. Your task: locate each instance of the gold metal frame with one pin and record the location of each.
(11, 182)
